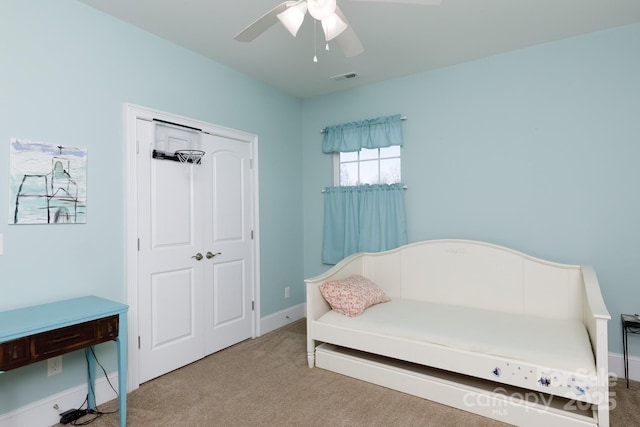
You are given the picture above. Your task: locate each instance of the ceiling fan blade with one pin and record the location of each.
(263, 23)
(422, 2)
(348, 41)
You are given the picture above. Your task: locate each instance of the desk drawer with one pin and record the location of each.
(107, 328)
(54, 343)
(45, 345)
(14, 354)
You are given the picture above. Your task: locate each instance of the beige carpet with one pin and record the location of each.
(266, 382)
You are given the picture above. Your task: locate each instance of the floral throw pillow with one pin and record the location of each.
(353, 295)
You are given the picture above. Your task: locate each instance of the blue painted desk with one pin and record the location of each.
(32, 334)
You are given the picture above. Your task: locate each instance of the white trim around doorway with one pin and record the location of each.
(132, 113)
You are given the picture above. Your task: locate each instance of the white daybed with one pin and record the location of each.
(475, 326)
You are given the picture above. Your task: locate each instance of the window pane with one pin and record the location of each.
(371, 166)
(390, 171)
(369, 172)
(349, 157)
(368, 154)
(393, 151)
(348, 174)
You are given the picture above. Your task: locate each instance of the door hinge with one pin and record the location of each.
(251, 234)
(138, 244)
(137, 146)
(138, 342)
(250, 163)
(253, 306)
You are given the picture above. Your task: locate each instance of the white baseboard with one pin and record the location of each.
(43, 413)
(281, 318)
(616, 366)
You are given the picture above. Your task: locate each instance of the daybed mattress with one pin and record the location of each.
(552, 343)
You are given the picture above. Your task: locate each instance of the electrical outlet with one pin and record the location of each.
(287, 292)
(54, 365)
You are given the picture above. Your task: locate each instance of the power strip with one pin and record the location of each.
(71, 415)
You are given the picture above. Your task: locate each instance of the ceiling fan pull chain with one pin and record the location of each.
(315, 42)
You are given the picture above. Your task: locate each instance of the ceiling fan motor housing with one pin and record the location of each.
(321, 9)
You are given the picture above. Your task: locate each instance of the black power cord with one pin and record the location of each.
(73, 415)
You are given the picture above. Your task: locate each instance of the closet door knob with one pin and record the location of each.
(210, 255)
(197, 256)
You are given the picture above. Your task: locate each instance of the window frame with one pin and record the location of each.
(337, 164)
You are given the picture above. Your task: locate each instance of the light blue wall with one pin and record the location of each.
(537, 150)
(65, 72)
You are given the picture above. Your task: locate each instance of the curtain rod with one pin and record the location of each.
(404, 187)
(401, 118)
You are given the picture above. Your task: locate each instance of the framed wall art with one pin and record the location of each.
(47, 183)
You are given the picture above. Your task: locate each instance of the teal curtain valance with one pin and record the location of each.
(373, 133)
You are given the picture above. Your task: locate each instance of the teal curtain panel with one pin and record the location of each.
(367, 218)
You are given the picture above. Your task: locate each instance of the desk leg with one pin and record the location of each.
(122, 369)
(625, 350)
(91, 381)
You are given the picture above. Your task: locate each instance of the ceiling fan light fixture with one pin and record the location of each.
(333, 26)
(293, 17)
(321, 9)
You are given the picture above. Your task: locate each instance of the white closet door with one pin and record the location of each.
(195, 263)
(228, 274)
(171, 280)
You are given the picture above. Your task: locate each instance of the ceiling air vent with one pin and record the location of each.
(345, 76)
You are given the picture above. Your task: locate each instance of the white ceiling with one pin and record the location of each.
(399, 39)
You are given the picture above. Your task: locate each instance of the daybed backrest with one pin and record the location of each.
(477, 274)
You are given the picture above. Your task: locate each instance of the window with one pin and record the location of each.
(368, 166)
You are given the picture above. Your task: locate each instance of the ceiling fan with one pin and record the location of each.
(334, 23)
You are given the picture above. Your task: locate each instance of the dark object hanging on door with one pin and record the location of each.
(183, 156)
